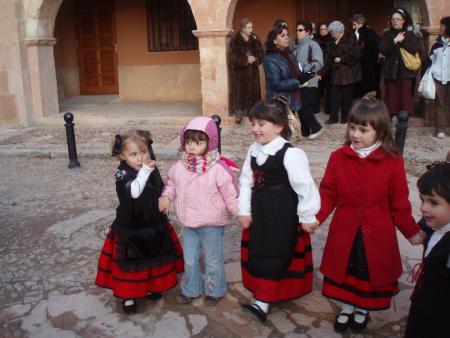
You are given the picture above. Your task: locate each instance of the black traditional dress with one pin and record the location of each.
(141, 253)
(430, 301)
(276, 255)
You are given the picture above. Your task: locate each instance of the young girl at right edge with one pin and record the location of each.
(365, 184)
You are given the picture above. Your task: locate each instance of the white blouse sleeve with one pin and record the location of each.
(138, 184)
(297, 167)
(246, 184)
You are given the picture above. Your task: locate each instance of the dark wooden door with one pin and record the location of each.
(376, 12)
(97, 47)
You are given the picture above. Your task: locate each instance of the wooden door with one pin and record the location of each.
(97, 47)
(376, 12)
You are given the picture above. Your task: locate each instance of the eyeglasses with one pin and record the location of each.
(301, 30)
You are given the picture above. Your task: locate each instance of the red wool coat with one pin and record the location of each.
(371, 193)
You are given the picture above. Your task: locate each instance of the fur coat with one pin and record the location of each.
(245, 77)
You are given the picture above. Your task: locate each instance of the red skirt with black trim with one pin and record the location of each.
(296, 281)
(137, 284)
(359, 293)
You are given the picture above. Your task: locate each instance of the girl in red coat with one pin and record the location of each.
(141, 254)
(365, 184)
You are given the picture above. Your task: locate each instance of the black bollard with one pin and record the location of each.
(400, 130)
(217, 120)
(71, 145)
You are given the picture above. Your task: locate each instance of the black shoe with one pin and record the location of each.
(154, 296)
(343, 121)
(129, 309)
(255, 310)
(342, 327)
(330, 121)
(359, 327)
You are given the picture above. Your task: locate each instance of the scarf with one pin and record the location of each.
(364, 152)
(200, 164)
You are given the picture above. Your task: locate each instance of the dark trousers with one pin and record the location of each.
(442, 102)
(397, 95)
(324, 91)
(341, 97)
(309, 98)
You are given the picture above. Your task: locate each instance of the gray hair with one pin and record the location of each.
(336, 26)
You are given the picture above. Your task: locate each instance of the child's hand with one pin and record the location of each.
(245, 221)
(150, 163)
(164, 204)
(310, 227)
(417, 238)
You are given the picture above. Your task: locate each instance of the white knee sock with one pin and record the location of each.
(360, 318)
(263, 306)
(129, 302)
(346, 308)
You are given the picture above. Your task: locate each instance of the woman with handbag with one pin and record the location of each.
(439, 61)
(246, 54)
(283, 77)
(399, 48)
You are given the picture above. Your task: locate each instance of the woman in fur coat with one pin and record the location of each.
(246, 54)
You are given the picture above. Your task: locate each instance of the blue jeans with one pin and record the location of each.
(211, 239)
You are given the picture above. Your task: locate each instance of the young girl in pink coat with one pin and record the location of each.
(204, 190)
(365, 185)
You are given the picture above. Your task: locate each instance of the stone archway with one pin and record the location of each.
(39, 25)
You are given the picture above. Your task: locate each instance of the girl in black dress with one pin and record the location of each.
(278, 196)
(430, 301)
(141, 254)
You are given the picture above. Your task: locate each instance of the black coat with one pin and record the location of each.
(393, 66)
(368, 43)
(430, 302)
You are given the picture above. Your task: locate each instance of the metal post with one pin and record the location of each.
(400, 130)
(217, 120)
(71, 145)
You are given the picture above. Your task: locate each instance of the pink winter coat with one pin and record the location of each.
(203, 199)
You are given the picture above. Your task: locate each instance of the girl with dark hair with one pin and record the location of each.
(397, 78)
(430, 301)
(365, 185)
(278, 197)
(246, 54)
(141, 254)
(439, 61)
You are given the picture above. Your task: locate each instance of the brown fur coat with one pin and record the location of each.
(246, 89)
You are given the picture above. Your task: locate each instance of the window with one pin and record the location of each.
(170, 26)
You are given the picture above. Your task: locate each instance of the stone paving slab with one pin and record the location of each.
(54, 221)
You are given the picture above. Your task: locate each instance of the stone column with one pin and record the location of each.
(214, 71)
(42, 76)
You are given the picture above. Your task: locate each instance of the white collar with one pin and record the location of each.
(443, 230)
(364, 152)
(269, 148)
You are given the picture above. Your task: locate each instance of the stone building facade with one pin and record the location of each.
(40, 49)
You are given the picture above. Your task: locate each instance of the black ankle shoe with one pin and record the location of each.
(129, 309)
(331, 121)
(255, 310)
(154, 296)
(359, 327)
(342, 327)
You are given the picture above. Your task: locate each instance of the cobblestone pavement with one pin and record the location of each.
(53, 223)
